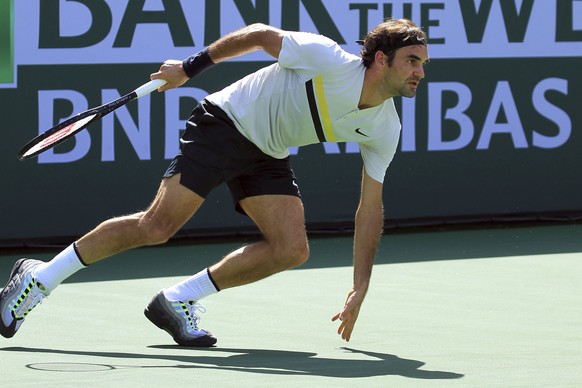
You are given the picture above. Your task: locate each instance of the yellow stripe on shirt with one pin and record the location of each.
(323, 111)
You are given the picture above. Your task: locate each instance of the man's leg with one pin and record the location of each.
(172, 207)
(281, 220)
(32, 280)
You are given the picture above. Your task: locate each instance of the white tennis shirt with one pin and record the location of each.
(311, 95)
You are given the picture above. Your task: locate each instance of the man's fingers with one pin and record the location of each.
(345, 330)
(348, 315)
(162, 88)
(346, 326)
(348, 336)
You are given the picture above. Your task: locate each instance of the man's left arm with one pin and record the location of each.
(369, 224)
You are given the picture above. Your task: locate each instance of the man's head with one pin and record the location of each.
(394, 55)
(389, 36)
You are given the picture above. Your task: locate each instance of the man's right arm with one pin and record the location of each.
(245, 40)
(250, 38)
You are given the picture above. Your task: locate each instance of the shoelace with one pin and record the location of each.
(193, 308)
(28, 300)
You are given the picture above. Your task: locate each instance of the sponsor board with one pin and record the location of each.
(148, 31)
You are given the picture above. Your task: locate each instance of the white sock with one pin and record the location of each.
(192, 289)
(63, 265)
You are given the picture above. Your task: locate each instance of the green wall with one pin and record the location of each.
(494, 132)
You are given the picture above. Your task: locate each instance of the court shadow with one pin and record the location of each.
(261, 361)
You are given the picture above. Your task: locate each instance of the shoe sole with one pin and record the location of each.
(158, 319)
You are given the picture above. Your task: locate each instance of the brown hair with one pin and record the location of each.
(389, 36)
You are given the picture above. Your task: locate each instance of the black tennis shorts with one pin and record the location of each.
(213, 151)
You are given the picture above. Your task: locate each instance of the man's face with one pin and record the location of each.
(407, 69)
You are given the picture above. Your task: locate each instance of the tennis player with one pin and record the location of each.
(314, 92)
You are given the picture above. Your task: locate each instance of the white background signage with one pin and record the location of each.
(110, 31)
(54, 32)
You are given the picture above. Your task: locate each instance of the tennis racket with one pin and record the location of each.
(80, 121)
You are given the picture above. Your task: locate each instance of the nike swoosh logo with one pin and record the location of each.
(361, 133)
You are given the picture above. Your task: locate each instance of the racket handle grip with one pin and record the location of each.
(149, 87)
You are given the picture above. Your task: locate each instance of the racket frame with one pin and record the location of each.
(48, 140)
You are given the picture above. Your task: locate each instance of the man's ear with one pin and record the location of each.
(380, 58)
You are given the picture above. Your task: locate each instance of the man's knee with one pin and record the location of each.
(156, 232)
(293, 253)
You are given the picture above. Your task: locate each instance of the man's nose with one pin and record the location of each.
(419, 72)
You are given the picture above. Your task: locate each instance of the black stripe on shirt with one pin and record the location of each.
(314, 111)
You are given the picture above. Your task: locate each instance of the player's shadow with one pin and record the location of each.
(282, 362)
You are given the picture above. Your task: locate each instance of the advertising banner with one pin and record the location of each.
(494, 130)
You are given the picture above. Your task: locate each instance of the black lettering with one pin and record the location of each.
(475, 20)
(172, 15)
(364, 9)
(516, 22)
(50, 22)
(565, 31)
(387, 10)
(426, 22)
(318, 13)
(211, 21)
(407, 11)
(259, 13)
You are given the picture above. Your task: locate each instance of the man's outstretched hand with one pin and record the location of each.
(349, 314)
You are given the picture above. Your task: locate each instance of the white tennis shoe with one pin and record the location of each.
(20, 295)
